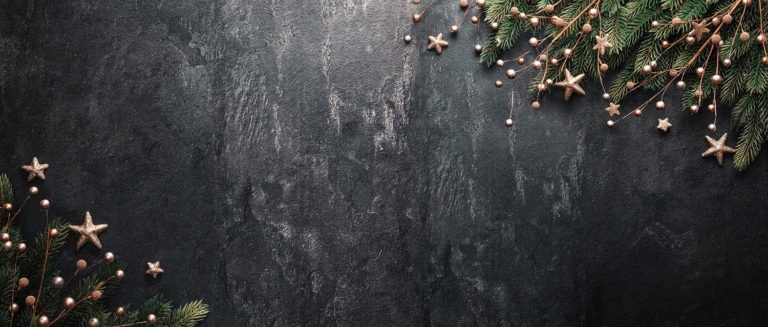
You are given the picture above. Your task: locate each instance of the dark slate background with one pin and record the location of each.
(294, 163)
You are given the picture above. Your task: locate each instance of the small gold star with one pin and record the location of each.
(437, 43)
(699, 30)
(664, 124)
(88, 231)
(35, 169)
(717, 148)
(613, 109)
(153, 268)
(571, 84)
(602, 44)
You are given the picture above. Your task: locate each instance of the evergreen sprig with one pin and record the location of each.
(90, 287)
(718, 66)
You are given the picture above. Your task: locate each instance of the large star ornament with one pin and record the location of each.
(571, 84)
(88, 231)
(153, 268)
(437, 43)
(35, 169)
(717, 148)
(602, 44)
(699, 30)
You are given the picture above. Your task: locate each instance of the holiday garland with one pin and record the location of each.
(34, 294)
(713, 51)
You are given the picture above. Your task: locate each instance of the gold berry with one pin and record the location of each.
(509, 122)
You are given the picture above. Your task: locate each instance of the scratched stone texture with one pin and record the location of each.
(294, 163)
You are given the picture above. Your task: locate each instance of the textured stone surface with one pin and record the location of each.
(294, 163)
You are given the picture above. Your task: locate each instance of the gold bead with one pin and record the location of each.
(96, 295)
(13, 307)
(716, 21)
(23, 282)
(715, 39)
(727, 62)
(45, 204)
(549, 82)
(638, 112)
(537, 64)
(698, 92)
(120, 311)
(534, 22)
(416, 18)
(535, 105)
(610, 123)
(151, 318)
(541, 87)
(53, 232)
(606, 97)
(665, 44)
(480, 3)
(33, 190)
(677, 21)
(554, 61)
(681, 85)
(509, 122)
(711, 107)
(630, 85)
(498, 83)
(8, 207)
(764, 60)
(727, 19)
(522, 15)
(746, 2)
(514, 11)
(69, 302)
(454, 28)
(647, 69)
(694, 109)
(30, 300)
(549, 9)
(559, 22)
(5, 237)
(511, 73)
(407, 38)
(119, 274)
(43, 321)
(8, 245)
(464, 3)
(478, 48)
(592, 13)
(760, 38)
(109, 256)
(94, 322)
(500, 63)
(660, 105)
(57, 282)
(654, 64)
(586, 28)
(474, 19)
(533, 42)
(521, 61)
(716, 79)
(700, 71)
(22, 247)
(494, 26)
(81, 264)
(690, 40)
(567, 52)
(543, 57)
(654, 24)
(712, 127)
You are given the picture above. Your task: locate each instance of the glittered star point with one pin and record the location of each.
(664, 124)
(699, 30)
(571, 84)
(717, 148)
(88, 231)
(437, 43)
(602, 44)
(613, 109)
(153, 268)
(35, 169)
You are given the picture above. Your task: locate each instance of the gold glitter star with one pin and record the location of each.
(664, 124)
(602, 44)
(571, 84)
(88, 231)
(35, 169)
(437, 43)
(613, 109)
(717, 148)
(153, 268)
(699, 30)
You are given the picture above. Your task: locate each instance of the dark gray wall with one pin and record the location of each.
(294, 163)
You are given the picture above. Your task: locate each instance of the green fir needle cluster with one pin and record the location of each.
(28, 272)
(716, 48)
